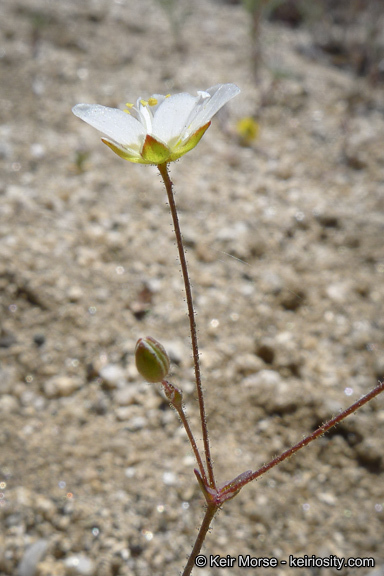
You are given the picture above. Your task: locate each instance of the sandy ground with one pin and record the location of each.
(285, 247)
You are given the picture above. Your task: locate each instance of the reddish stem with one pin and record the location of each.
(209, 514)
(163, 169)
(216, 498)
(175, 397)
(319, 432)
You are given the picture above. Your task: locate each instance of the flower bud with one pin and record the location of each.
(152, 361)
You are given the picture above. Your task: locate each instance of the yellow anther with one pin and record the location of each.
(167, 96)
(129, 105)
(152, 101)
(143, 102)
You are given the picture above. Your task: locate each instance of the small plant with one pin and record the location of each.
(158, 131)
(258, 10)
(80, 161)
(176, 14)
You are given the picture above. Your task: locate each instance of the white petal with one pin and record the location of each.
(171, 117)
(220, 95)
(114, 123)
(203, 94)
(145, 116)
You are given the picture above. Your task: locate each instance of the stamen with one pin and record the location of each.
(143, 102)
(152, 101)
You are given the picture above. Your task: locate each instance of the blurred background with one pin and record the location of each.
(281, 205)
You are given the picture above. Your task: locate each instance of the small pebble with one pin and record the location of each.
(32, 556)
(8, 404)
(61, 386)
(269, 390)
(113, 376)
(79, 565)
(39, 339)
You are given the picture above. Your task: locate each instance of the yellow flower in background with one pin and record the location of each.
(160, 129)
(247, 130)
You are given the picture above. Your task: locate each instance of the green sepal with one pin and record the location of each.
(154, 152)
(180, 150)
(123, 153)
(174, 394)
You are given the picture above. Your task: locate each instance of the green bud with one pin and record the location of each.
(152, 361)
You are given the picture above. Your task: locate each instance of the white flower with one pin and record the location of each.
(160, 129)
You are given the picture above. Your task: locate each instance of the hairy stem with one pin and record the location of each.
(319, 432)
(209, 514)
(192, 441)
(176, 401)
(163, 169)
